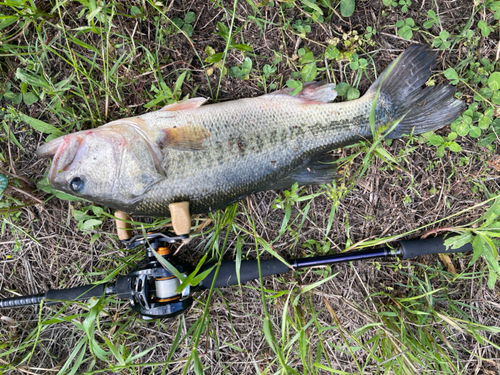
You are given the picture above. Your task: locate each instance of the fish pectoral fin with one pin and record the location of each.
(186, 138)
(318, 170)
(311, 93)
(192, 103)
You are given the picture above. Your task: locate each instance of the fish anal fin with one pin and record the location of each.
(312, 93)
(192, 103)
(186, 138)
(318, 170)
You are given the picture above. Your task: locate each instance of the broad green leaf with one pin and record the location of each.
(478, 247)
(452, 136)
(98, 211)
(332, 52)
(485, 122)
(451, 74)
(456, 242)
(352, 93)
(410, 22)
(484, 93)
(405, 32)
(223, 30)
(312, 5)
(188, 29)
(135, 11)
(492, 214)
(307, 57)
(296, 85)
(342, 88)
(474, 132)
(492, 280)
(347, 7)
(495, 98)
(309, 72)
(215, 58)
(455, 147)
(247, 65)
(429, 23)
(444, 35)
(440, 151)
(177, 22)
(90, 224)
(243, 47)
(436, 140)
(494, 81)
(190, 17)
(462, 129)
(30, 98)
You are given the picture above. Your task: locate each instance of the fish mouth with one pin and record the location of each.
(66, 150)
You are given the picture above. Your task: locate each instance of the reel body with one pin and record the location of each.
(151, 290)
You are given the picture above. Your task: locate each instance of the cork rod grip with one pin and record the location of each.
(123, 229)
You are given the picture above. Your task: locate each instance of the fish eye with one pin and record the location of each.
(76, 184)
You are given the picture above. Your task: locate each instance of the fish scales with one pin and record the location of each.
(216, 154)
(252, 144)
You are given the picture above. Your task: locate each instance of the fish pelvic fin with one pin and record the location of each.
(317, 170)
(399, 90)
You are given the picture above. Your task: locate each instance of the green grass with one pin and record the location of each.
(72, 66)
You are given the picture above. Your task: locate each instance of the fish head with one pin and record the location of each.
(113, 165)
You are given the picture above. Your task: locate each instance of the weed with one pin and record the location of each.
(186, 23)
(433, 19)
(442, 143)
(442, 41)
(406, 28)
(242, 71)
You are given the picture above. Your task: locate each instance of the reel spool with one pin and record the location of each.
(165, 289)
(153, 289)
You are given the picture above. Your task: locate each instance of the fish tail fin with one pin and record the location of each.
(400, 94)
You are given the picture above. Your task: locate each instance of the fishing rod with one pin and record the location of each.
(152, 290)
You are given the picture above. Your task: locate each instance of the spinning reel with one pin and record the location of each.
(151, 289)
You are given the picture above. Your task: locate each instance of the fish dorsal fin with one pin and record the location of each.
(186, 138)
(312, 93)
(192, 103)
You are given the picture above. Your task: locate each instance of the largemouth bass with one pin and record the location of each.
(216, 154)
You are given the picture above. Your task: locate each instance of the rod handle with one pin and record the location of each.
(249, 270)
(79, 293)
(414, 248)
(31, 300)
